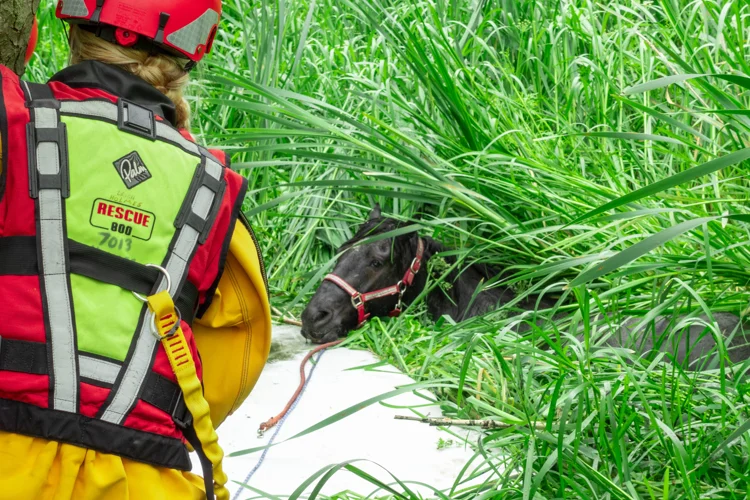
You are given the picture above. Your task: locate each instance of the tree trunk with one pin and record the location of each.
(16, 19)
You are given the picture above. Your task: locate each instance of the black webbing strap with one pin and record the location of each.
(187, 302)
(206, 465)
(18, 257)
(201, 179)
(167, 396)
(31, 357)
(109, 268)
(24, 357)
(39, 92)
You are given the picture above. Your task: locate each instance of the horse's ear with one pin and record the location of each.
(376, 213)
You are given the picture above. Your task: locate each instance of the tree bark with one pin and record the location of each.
(16, 19)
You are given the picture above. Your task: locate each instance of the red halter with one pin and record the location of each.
(360, 299)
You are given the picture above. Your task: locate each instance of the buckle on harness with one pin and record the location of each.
(185, 418)
(54, 135)
(136, 119)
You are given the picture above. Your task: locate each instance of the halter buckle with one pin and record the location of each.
(414, 267)
(357, 301)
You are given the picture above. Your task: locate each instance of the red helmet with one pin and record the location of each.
(182, 27)
(32, 41)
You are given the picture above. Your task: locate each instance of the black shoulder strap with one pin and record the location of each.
(37, 93)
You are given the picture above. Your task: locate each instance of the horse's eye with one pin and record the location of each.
(376, 264)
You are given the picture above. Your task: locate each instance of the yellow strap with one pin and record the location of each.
(183, 365)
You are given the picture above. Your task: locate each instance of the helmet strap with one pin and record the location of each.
(97, 12)
(163, 20)
(66, 30)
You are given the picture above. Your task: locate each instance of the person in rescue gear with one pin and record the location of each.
(135, 312)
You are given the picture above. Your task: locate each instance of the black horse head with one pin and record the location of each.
(365, 267)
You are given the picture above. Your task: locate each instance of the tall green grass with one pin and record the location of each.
(596, 150)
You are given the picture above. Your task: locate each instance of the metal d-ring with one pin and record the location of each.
(166, 275)
(172, 332)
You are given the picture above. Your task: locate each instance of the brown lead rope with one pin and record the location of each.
(275, 420)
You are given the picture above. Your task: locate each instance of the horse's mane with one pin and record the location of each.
(381, 225)
(372, 227)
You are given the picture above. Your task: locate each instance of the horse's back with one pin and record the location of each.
(690, 338)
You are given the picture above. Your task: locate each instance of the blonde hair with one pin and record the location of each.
(164, 72)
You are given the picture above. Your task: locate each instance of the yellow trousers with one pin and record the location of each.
(37, 469)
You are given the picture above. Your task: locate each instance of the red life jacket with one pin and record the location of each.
(81, 227)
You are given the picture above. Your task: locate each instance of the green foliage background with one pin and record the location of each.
(496, 125)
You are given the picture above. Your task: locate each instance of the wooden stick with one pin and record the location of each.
(284, 319)
(290, 321)
(447, 422)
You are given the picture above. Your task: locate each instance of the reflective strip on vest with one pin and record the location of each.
(177, 267)
(109, 111)
(98, 369)
(52, 239)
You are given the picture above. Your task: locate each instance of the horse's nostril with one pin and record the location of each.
(322, 316)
